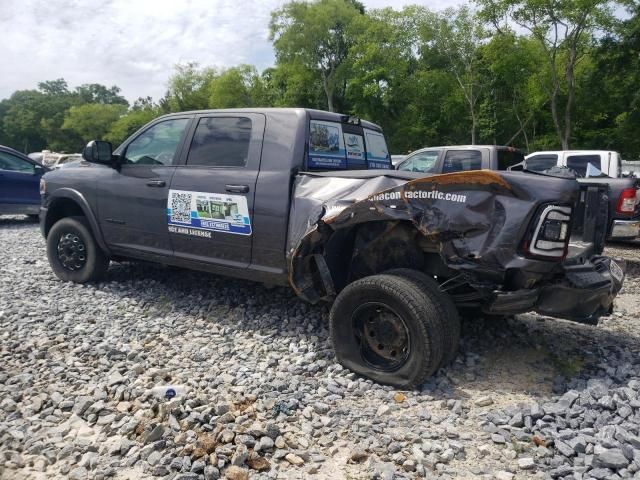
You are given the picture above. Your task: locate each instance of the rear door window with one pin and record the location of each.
(540, 163)
(221, 142)
(462, 160)
(508, 157)
(580, 164)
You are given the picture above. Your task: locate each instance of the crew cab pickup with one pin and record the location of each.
(308, 199)
(460, 158)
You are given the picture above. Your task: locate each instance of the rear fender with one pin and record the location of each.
(474, 221)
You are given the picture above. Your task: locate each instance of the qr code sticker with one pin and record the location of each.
(181, 207)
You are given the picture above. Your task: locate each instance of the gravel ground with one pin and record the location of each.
(528, 398)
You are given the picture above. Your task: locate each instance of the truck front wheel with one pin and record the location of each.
(73, 253)
(386, 328)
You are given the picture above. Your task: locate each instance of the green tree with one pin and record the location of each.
(189, 88)
(92, 120)
(458, 36)
(96, 93)
(141, 113)
(564, 30)
(514, 94)
(234, 87)
(315, 35)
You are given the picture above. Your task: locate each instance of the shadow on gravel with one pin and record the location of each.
(17, 221)
(527, 356)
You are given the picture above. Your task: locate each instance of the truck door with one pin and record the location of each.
(132, 201)
(210, 205)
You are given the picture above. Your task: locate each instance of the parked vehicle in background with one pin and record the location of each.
(19, 183)
(396, 159)
(630, 167)
(586, 163)
(308, 198)
(597, 167)
(460, 158)
(55, 160)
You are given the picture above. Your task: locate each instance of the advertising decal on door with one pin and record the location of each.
(201, 213)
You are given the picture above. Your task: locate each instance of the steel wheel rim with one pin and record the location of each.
(72, 252)
(382, 335)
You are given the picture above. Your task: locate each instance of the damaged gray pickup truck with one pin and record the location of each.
(307, 198)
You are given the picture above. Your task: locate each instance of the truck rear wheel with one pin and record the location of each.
(386, 328)
(447, 311)
(73, 253)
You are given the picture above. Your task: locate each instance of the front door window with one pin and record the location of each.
(158, 144)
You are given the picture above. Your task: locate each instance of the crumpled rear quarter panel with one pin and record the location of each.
(476, 218)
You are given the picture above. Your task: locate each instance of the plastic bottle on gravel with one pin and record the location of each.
(169, 392)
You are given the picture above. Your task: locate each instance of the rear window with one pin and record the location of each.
(540, 163)
(580, 164)
(337, 146)
(462, 160)
(508, 157)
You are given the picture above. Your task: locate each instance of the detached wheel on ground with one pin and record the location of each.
(386, 328)
(73, 253)
(447, 311)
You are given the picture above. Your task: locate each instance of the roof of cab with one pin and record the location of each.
(313, 114)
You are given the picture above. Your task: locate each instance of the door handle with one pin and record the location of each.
(156, 183)
(237, 188)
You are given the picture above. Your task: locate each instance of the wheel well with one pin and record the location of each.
(375, 247)
(61, 208)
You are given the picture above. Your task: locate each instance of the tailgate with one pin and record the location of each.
(591, 218)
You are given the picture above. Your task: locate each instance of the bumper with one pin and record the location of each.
(583, 293)
(625, 229)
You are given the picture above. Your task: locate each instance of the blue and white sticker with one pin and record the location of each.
(201, 213)
(326, 145)
(377, 152)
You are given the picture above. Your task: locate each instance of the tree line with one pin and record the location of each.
(535, 74)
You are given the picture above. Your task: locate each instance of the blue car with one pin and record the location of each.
(19, 183)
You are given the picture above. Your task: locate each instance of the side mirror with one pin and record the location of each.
(97, 151)
(39, 170)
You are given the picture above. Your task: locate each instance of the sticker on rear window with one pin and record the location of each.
(377, 151)
(355, 146)
(326, 145)
(201, 213)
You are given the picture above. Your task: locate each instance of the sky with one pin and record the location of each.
(135, 44)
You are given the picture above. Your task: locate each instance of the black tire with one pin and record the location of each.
(448, 313)
(73, 266)
(408, 325)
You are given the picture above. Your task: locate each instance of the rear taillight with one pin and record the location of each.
(627, 201)
(549, 238)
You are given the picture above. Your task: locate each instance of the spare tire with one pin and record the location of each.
(386, 328)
